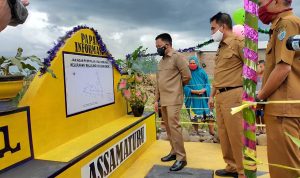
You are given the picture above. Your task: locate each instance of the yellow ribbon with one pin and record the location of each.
(251, 154)
(247, 104)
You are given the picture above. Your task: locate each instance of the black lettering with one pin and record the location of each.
(98, 50)
(112, 160)
(92, 170)
(7, 146)
(129, 142)
(125, 148)
(106, 164)
(90, 39)
(94, 40)
(142, 134)
(88, 49)
(77, 47)
(120, 155)
(99, 166)
(138, 138)
(83, 38)
(134, 141)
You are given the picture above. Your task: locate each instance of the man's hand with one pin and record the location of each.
(211, 103)
(156, 106)
(258, 97)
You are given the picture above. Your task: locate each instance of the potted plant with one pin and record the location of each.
(131, 86)
(13, 72)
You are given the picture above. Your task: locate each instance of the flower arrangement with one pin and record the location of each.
(131, 85)
(132, 90)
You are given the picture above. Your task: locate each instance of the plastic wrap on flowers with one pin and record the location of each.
(250, 79)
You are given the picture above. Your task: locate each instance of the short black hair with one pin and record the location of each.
(221, 19)
(165, 37)
(261, 62)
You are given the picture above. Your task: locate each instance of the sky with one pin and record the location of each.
(123, 24)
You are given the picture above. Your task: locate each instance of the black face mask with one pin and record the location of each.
(161, 51)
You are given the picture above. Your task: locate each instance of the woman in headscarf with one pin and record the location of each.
(196, 93)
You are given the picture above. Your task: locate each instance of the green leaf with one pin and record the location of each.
(250, 135)
(129, 71)
(2, 59)
(19, 52)
(51, 72)
(28, 66)
(21, 58)
(136, 53)
(36, 60)
(295, 140)
(119, 62)
(17, 63)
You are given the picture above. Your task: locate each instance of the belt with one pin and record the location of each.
(227, 89)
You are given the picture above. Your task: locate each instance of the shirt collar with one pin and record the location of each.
(170, 53)
(228, 39)
(279, 16)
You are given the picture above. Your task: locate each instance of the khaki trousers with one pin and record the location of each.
(281, 149)
(230, 129)
(171, 117)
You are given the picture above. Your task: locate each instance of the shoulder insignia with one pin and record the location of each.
(282, 34)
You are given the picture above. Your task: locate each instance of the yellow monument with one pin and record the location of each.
(78, 121)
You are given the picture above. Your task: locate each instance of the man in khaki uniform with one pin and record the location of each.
(281, 82)
(173, 73)
(227, 89)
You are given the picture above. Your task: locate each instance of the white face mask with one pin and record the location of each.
(218, 36)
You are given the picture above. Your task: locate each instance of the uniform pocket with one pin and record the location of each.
(268, 50)
(228, 55)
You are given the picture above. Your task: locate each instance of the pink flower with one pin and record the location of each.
(138, 78)
(138, 93)
(122, 84)
(127, 94)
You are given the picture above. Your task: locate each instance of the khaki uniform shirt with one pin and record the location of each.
(229, 63)
(173, 72)
(283, 27)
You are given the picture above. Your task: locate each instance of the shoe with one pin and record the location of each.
(224, 173)
(161, 129)
(178, 165)
(169, 157)
(194, 133)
